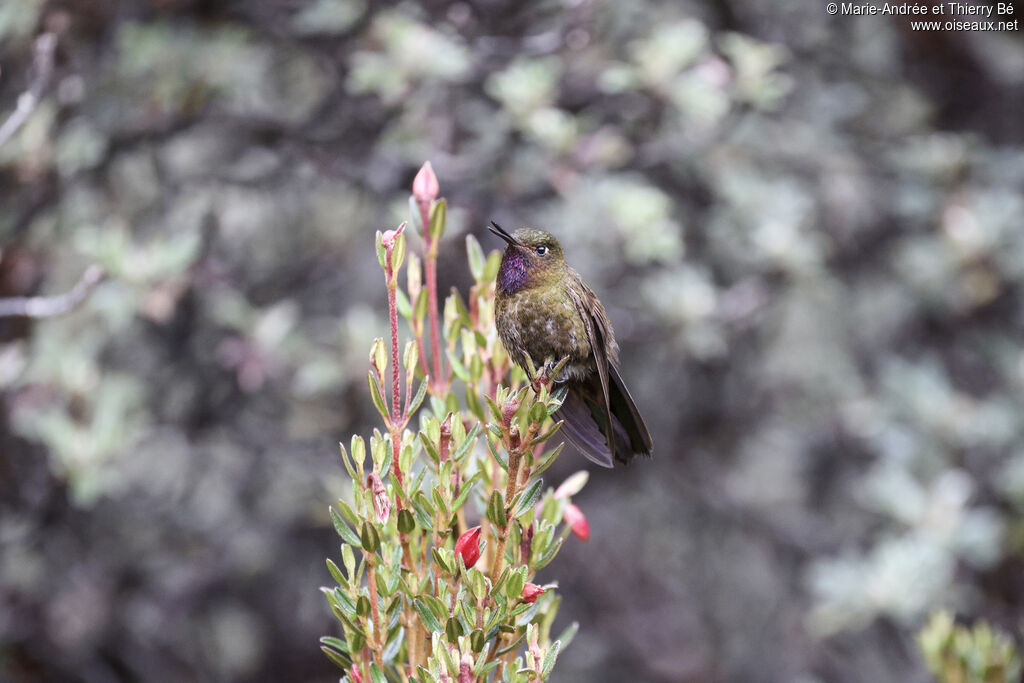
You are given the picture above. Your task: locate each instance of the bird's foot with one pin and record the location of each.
(551, 373)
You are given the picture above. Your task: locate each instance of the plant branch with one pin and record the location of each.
(42, 68)
(49, 306)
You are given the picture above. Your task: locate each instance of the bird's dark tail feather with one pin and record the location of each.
(581, 430)
(585, 424)
(625, 413)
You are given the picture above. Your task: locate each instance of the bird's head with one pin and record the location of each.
(533, 257)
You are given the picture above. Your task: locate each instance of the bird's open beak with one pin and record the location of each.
(500, 232)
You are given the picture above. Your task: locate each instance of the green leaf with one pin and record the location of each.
(403, 305)
(528, 498)
(546, 435)
(398, 253)
(549, 659)
(436, 606)
(427, 616)
(377, 397)
(473, 402)
(376, 675)
(347, 462)
(538, 413)
(336, 574)
(531, 369)
(497, 456)
(569, 633)
(430, 448)
(496, 509)
(492, 266)
(438, 214)
(382, 253)
(337, 643)
(378, 354)
(500, 581)
(476, 257)
(464, 490)
(462, 313)
(394, 644)
(340, 599)
(344, 530)
(414, 209)
(418, 398)
(440, 561)
(513, 645)
(467, 443)
(514, 587)
(458, 368)
(485, 669)
(495, 411)
(348, 558)
(339, 659)
(357, 447)
(406, 521)
(550, 461)
(476, 369)
(411, 355)
(478, 584)
(453, 629)
(348, 514)
(549, 554)
(422, 304)
(369, 537)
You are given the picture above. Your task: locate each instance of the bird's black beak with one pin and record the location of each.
(500, 232)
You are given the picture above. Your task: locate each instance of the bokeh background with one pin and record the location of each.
(808, 231)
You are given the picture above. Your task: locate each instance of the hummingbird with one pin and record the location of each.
(545, 312)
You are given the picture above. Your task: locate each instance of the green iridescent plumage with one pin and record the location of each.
(545, 311)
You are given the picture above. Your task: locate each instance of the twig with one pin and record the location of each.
(48, 306)
(42, 69)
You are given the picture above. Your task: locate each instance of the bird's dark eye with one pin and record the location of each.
(542, 250)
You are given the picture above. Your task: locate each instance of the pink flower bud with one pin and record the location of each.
(355, 674)
(381, 504)
(509, 410)
(389, 237)
(526, 544)
(531, 592)
(468, 546)
(576, 520)
(425, 186)
(446, 437)
(466, 669)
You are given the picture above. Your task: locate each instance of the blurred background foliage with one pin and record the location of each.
(807, 230)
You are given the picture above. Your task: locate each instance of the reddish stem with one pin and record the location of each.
(396, 389)
(396, 410)
(430, 270)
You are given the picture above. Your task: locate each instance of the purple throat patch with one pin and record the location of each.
(512, 273)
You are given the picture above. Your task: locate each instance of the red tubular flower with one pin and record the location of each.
(425, 186)
(381, 504)
(576, 520)
(468, 546)
(531, 592)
